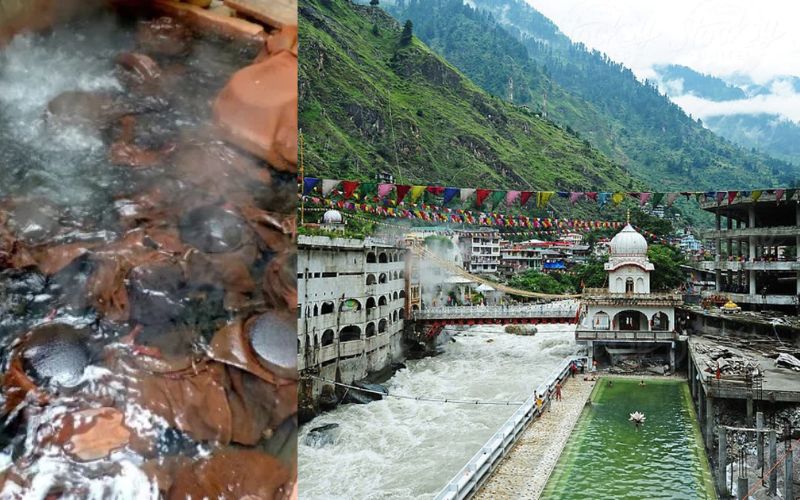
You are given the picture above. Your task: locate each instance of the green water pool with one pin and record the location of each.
(607, 458)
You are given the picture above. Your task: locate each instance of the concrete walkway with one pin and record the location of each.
(524, 472)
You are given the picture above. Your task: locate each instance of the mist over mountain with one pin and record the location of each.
(762, 116)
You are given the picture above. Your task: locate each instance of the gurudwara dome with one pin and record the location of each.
(332, 217)
(628, 242)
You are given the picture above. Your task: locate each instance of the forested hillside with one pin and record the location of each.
(516, 53)
(375, 99)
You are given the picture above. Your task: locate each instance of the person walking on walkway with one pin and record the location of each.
(558, 391)
(539, 403)
(573, 368)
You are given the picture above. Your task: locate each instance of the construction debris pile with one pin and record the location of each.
(730, 363)
(658, 366)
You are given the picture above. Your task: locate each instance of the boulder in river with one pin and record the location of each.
(321, 436)
(369, 395)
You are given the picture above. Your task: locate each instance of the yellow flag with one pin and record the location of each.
(542, 197)
(416, 192)
(756, 195)
(617, 197)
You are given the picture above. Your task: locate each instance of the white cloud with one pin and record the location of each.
(719, 37)
(785, 104)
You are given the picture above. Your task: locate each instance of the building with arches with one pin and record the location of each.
(626, 317)
(352, 300)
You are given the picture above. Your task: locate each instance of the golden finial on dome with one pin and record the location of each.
(629, 216)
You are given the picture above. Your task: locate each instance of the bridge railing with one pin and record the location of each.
(626, 335)
(472, 476)
(460, 312)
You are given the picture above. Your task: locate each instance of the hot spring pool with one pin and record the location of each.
(606, 457)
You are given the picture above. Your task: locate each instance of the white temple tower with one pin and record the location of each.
(626, 318)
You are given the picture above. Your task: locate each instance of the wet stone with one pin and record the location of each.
(272, 336)
(212, 229)
(156, 292)
(57, 354)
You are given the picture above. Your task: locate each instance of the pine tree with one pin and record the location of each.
(405, 37)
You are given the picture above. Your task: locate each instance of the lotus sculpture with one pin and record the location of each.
(637, 418)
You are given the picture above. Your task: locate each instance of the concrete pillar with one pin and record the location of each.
(742, 486)
(709, 422)
(773, 457)
(692, 381)
(701, 405)
(749, 409)
(672, 357)
(589, 355)
(788, 477)
(722, 462)
(760, 440)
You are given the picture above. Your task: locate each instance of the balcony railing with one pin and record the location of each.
(625, 335)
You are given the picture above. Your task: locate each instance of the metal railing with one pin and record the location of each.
(467, 312)
(472, 476)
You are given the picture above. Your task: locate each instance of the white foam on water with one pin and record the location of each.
(408, 449)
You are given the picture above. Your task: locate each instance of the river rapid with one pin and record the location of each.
(398, 448)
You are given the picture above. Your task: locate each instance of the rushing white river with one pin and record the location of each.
(397, 448)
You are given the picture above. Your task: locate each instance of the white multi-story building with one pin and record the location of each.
(481, 250)
(353, 299)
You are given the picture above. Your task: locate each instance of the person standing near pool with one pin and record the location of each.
(558, 391)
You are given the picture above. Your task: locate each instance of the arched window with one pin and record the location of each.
(394, 316)
(316, 310)
(601, 321)
(402, 294)
(371, 258)
(371, 303)
(327, 308)
(382, 278)
(640, 285)
(660, 322)
(350, 305)
(629, 285)
(394, 295)
(382, 326)
(349, 333)
(327, 337)
(371, 279)
(630, 320)
(382, 301)
(401, 274)
(382, 258)
(370, 330)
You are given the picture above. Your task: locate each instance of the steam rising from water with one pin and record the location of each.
(408, 449)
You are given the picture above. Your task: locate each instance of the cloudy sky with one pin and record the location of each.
(717, 37)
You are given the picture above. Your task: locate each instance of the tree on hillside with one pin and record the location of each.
(374, 3)
(667, 261)
(408, 31)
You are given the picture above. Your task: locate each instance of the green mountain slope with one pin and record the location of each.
(628, 120)
(370, 104)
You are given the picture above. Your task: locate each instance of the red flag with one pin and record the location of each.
(402, 190)
(436, 190)
(732, 196)
(592, 195)
(349, 188)
(524, 197)
(481, 195)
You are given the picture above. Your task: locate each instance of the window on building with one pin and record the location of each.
(371, 258)
(349, 333)
(629, 285)
(327, 337)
